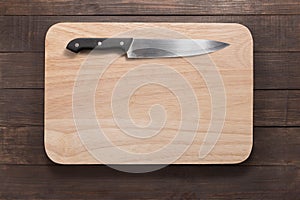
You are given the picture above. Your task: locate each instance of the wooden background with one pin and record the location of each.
(271, 172)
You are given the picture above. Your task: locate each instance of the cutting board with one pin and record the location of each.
(83, 91)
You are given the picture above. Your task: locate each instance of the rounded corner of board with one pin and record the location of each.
(246, 156)
(50, 155)
(54, 27)
(246, 30)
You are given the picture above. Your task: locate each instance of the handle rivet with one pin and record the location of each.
(99, 43)
(121, 43)
(76, 44)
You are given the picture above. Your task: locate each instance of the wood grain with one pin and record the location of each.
(272, 146)
(275, 146)
(21, 70)
(270, 107)
(131, 7)
(23, 145)
(173, 182)
(271, 70)
(293, 116)
(270, 33)
(275, 27)
(21, 107)
(234, 63)
(277, 70)
(264, 104)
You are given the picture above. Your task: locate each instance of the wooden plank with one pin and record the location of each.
(269, 107)
(22, 145)
(271, 70)
(173, 182)
(270, 33)
(156, 7)
(293, 106)
(21, 70)
(277, 108)
(272, 146)
(275, 146)
(21, 107)
(277, 70)
(276, 34)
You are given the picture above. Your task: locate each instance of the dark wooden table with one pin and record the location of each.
(271, 172)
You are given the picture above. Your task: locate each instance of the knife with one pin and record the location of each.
(148, 48)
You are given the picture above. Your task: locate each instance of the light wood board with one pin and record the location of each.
(234, 64)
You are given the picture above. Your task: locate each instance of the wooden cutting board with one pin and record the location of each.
(234, 64)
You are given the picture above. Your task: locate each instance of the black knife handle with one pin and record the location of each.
(79, 44)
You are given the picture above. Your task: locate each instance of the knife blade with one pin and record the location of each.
(148, 48)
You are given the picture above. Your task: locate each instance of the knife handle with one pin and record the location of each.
(80, 44)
